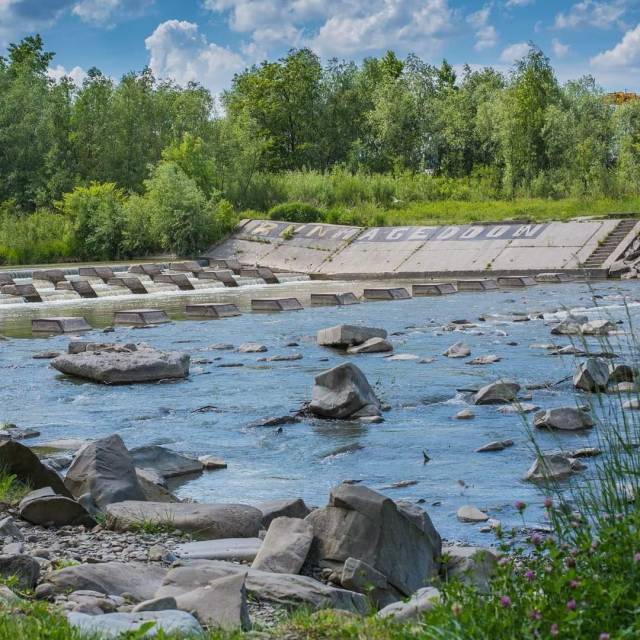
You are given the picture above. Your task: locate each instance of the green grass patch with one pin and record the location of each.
(11, 490)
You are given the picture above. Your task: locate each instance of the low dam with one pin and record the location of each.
(332, 251)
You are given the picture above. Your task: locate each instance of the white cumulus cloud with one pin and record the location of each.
(514, 52)
(179, 51)
(625, 54)
(486, 34)
(77, 74)
(592, 13)
(519, 3)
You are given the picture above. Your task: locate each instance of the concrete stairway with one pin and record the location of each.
(604, 250)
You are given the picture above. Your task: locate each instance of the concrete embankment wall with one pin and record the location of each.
(336, 251)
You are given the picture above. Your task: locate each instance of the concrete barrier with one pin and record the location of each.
(188, 266)
(25, 291)
(333, 299)
(104, 273)
(394, 293)
(146, 269)
(231, 263)
(516, 281)
(483, 284)
(333, 251)
(140, 317)
(211, 310)
(276, 304)
(133, 284)
(59, 325)
(434, 289)
(180, 280)
(224, 275)
(48, 275)
(83, 288)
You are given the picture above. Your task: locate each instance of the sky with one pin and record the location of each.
(208, 41)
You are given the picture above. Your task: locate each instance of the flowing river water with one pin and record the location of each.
(308, 458)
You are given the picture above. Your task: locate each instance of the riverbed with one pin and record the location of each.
(308, 458)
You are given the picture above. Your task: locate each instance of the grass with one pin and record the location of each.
(451, 212)
(11, 490)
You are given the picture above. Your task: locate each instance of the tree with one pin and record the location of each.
(181, 217)
(97, 217)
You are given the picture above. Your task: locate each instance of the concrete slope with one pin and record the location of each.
(341, 251)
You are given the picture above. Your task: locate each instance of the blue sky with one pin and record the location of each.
(210, 40)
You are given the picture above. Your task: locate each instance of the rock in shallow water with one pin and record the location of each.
(122, 365)
(563, 418)
(343, 392)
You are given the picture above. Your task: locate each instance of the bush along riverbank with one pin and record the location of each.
(109, 551)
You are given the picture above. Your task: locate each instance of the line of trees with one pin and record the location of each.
(110, 169)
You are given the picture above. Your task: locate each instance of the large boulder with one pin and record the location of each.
(154, 486)
(167, 463)
(20, 461)
(236, 549)
(47, 509)
(471, 565)
(361, 577)
(563, 418)
(398, 540)
(124, 364)
(597, 328)
(289, 507)
(499, 392)
(105, 470)
(342, 392)
(285, 546)
(221, 604)
(114, 625)
(592, 375)
(348, 335)
(280, 588)
(111, 578)
(373, 345)
(205, 521)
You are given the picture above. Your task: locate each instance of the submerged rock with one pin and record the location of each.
(552, 467)
(348, 335)
(563, 418)
(373, 345)
(500, 392)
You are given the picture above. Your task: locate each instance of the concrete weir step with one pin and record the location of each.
(333, 299)
(276, 304)
(180, 280)
(104, 273)
(222, 275)
(232, 264)
(140, 317)
(393, 293)
(260, 272)
(434, 289)
(25, 291)
(212, 311)
(5, 278)
(482, 284)
(82, 287)
(59, 325)
(188, 266)
(49, 275)
(130, 282)
(516, 281)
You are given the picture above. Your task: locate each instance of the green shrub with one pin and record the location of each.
(296, 212)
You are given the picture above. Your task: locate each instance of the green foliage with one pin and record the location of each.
(296, 212)
(96, 213)
(180, 215)
(11, 490)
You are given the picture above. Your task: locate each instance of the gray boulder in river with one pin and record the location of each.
(348, 335)
(563, 418)
(343, 392)
(397, 539)
(592, 375)
(124, 364)
(499, 392)
(167, 463)
(105, 470)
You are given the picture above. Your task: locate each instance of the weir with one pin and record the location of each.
(581, 247)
